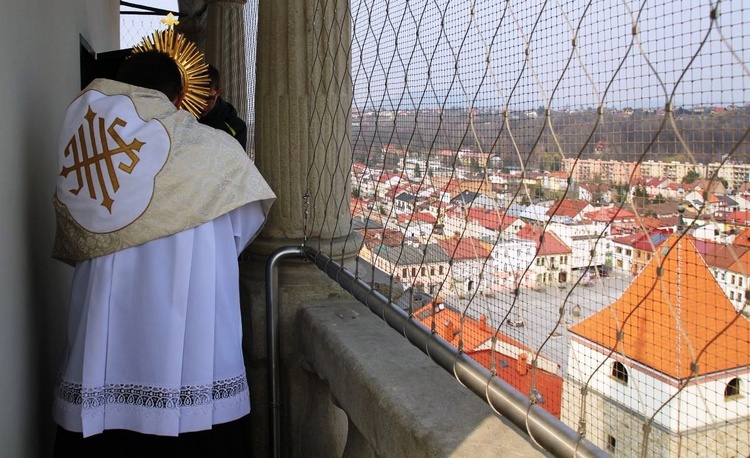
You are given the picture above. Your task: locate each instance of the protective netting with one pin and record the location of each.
(141, 18)
(138, 22)
(562, 191)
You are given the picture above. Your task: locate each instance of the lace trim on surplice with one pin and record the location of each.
(149, 396)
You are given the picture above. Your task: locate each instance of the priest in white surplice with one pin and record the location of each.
(153, 210)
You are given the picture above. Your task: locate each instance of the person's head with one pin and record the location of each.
(214, 89)
(153, 70)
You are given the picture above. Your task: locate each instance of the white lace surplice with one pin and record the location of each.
(154, 334)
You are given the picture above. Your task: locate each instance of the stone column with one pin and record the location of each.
(225, 49)
(302, 100)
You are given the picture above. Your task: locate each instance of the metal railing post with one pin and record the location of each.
(272, 337)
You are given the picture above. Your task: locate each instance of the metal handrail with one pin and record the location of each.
(552, 434)
(272, 337)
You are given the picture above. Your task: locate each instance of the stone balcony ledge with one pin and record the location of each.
(398, 402)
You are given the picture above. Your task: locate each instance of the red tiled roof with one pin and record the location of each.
(423, 217)
(739, 217)
(396, 190)
(649, 241)
(610, 214)
(551, 244)
(650, 223)
(743, 239)
(464, 248)
(717, 254)
(742, 265)
(357, 207)
(673, 321)
(548, 385)
(567, 207)
(474, 333)
(388, 237)
(491, 219)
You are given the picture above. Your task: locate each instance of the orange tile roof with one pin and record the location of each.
(356, 207)
(451, 325)
(743, 239)
(650, 223)
(739, 217)
(464, 248)
(671, 321)
(610, 214)
(448, 326)
(549, 386)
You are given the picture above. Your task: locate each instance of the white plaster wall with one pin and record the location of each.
(705, 403)
(40, 75)
(697, 406)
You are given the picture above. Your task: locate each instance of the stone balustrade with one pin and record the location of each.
(353, 387)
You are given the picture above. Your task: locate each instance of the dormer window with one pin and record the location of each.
(733, 389)
(620, 372)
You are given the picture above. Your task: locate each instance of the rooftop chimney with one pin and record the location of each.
(449, 335)
(521, 365)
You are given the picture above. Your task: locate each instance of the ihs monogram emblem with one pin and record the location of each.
(90, 160)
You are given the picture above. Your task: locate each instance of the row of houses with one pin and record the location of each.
(662, 371)
(737, 176)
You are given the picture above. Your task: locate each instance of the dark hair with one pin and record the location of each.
(213, 75)
(152, 70)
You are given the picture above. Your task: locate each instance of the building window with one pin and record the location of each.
(628, 252)
(404, 272)
(618, 250)
(611, 444)
(432, 270)
(441, 270)
(731, 295)
(620, 372)
(424, 271)
(739, 281)
(413, 271)
(732, 280)
(733, 389)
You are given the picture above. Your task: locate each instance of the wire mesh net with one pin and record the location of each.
(562, 191)
(139, 19)
(137, 23)
(251, 37)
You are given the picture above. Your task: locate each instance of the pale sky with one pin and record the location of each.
(488, 51)
(133, 28)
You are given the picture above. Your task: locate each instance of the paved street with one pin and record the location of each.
(540, 312)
